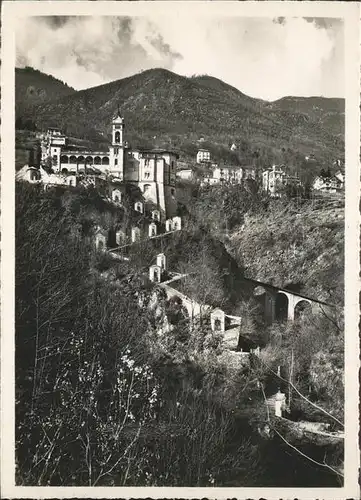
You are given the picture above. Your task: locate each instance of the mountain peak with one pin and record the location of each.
(164, 109)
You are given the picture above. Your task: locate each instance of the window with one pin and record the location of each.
(172, 165)
(116, 161)
(146, 175)
(116, 151)
(172, 191)
(117, 136)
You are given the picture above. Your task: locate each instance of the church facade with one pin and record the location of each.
(153, 170)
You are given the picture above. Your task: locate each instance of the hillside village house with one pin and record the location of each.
(153, 170)
(229, 174)
(329, 184)
(185, 174)
(273, 179)
(341, 177)
(203, 156)
(40, 176)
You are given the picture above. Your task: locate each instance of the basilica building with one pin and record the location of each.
(152, 171)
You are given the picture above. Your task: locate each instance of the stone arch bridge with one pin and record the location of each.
(280, 304)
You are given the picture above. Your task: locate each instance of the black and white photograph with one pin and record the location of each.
(184, 197)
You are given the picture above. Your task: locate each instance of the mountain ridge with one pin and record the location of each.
(162, 109)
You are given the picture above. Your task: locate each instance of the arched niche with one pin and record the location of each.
(64, 159)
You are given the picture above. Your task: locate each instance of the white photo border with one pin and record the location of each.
(350, 12)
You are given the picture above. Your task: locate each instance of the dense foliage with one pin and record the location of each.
(92, 399)
(114, 390)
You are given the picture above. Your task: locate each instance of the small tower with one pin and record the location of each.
(116, 159)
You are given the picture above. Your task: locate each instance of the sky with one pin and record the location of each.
(262, 57)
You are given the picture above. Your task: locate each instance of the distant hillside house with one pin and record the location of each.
(229, 175)
(341, 177)
(203, 156)
(29, 174)
(331, 184)
(185, 174)
(152, 170)
(275, 178)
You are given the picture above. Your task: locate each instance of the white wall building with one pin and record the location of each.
(229, 174)
(275, 178)
(185, 174)
(203, 156)
(328, 184)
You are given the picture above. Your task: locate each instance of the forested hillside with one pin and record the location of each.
(290, 242)
(32, 87)
(164, 109)
(99, 390)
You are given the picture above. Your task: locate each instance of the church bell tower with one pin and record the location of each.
(116, 159)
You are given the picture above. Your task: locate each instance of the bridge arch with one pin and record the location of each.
(193, 308)
(302, 307)
(281, 306)
(176, 311)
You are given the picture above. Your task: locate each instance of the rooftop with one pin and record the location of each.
(156, 151)
(83, 153)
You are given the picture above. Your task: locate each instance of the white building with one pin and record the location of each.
(28, 174)
(185, 174)
(153, 171)
(341, 177)
(203, 156)
(328, 184)
(275, 178)
(229, 175)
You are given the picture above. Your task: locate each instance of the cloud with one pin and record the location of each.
(262, 57)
